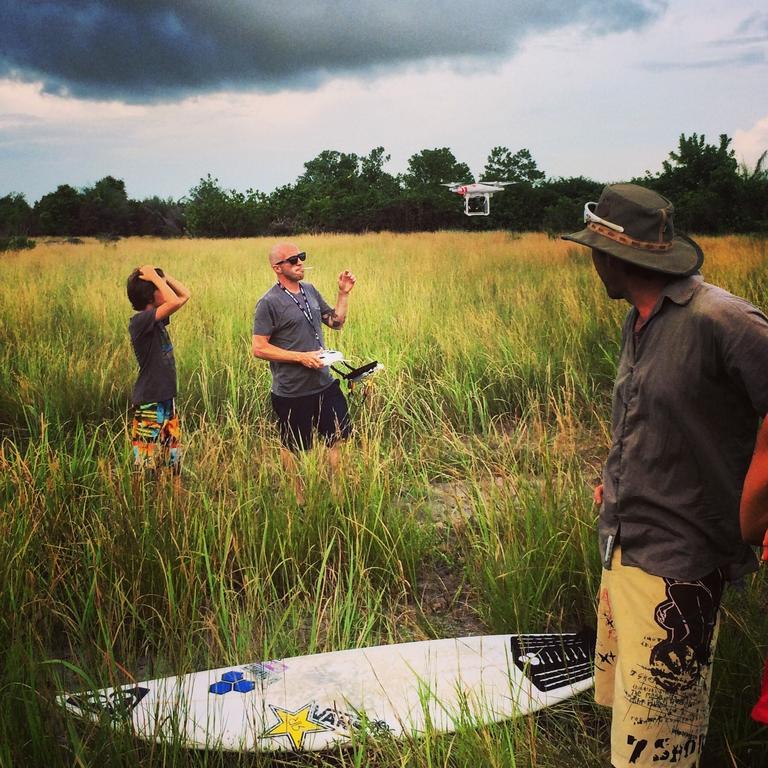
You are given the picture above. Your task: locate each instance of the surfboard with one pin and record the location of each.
(320, 701)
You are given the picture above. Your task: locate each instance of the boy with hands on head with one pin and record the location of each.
(155, 430)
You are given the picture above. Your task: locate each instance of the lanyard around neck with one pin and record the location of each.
(306, 310)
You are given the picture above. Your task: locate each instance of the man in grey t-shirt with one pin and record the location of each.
(288, 332)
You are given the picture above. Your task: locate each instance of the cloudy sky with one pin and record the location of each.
(162, 92)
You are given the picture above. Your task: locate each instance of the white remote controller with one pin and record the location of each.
(331, 356)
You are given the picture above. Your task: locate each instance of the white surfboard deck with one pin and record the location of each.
(327, 699)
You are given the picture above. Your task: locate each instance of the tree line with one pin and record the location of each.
(343, 192)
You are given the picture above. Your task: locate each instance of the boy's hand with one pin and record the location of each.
(148, 273)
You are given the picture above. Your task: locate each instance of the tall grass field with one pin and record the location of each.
(465, 505)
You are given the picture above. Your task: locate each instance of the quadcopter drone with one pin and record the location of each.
(482, 190)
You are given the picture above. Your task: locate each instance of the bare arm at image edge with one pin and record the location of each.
(754, 499)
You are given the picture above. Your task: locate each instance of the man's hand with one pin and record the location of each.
(346, 281)
(597, 495)
(310, 359)
(336, 317)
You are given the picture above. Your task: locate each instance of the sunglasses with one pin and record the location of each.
(590, 215)
(293, 260)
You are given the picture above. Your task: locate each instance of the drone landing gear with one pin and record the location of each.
(477, 205)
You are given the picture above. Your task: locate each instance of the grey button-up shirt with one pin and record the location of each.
(691, 385)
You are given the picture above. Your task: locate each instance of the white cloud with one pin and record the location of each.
(750, 144)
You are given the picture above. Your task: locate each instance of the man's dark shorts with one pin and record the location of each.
(299, 417)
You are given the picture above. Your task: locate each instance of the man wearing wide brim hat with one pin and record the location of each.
(690, 390)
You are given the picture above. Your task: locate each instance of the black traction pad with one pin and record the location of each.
(117, 705)
(553, 661)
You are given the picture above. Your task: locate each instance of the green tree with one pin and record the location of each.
(215, 212)
(520, 167)
(208, 209)
(702, 180)
(58, 213)
(432, 167)
(326, 192)
(562, 204)
(428, 204)
(754, 195)
(380, 193)
(372, 168)
(15, 215)
(337, 192)
(104, 208)
(285, 211)
(520, 206)
(253, 213)
(155, 216)
(331, 169)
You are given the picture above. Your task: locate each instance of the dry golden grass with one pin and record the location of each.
(474, 460)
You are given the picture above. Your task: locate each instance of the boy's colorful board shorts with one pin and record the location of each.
(653, 663)
(155, 435)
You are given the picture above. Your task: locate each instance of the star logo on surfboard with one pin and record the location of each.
(295, 725)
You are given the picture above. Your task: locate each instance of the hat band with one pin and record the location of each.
(625, 240)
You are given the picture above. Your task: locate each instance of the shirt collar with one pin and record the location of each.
(681, 291)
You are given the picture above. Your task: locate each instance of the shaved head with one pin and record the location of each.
(282, 251)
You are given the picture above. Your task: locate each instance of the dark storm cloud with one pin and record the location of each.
(145, 50)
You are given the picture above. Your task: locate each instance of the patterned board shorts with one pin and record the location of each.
(653, 663)
(155, 435)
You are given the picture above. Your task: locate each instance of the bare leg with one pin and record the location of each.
(137, 483)
(177, 486)
(334, 463)
(291, 467)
